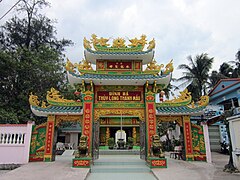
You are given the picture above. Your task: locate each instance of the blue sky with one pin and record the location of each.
(180, 27)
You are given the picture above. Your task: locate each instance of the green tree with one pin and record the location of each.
(226, 70)
(196, 74)
(31, 58)
(236, 71)
(214, 78)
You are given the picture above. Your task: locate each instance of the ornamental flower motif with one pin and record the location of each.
(119, 43)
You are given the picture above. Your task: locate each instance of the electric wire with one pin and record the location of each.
(9, 9)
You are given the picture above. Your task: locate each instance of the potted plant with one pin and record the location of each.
(130, 142)
(111, 143)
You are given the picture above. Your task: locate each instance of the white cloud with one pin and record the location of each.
(180, 27)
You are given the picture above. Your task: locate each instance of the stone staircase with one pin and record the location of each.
(120, 167)
(119, 152)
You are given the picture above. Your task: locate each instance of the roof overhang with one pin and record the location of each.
(42, 113)
(124, 80)
(145, 56)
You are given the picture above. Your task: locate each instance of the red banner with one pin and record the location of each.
(151, 122)
(87, 121)
(188, 138)
(49, 137)
(119, 95)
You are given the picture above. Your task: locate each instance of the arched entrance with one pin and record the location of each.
(108, 121)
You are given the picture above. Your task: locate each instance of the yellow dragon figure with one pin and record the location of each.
(143, 40)
(69, 66)
(119, 43)
(86, 44)
(204, 100)
(183, 97)
(33, 100)
(103, 41)
(84, 65)
(54, 95)
(153, 66)
(169, 67)
(151, 44)
(134, 42)
(95, 40)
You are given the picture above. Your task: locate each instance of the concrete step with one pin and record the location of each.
(120, 169)
(121, 176)
(119, 152)
(113, 163)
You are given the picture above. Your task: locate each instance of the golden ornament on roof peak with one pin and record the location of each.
(118, 45)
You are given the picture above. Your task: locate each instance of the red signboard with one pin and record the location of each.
(151, 116)
(119, 96)
(87, 121)
(49, 137)
(159, 162)
(188, 138)
(77, 163)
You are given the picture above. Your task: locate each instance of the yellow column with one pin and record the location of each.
(134, 136)
(107, 135)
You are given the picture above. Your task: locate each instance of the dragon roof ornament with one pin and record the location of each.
(33, 101)
(118, 44)
(154, 67)
(55, 98)
(185, 99)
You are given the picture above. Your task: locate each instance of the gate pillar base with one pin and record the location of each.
(83, 162)
(155, 162)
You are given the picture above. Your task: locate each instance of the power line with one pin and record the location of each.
(9, 9)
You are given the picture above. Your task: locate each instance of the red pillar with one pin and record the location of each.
(188, 138)
(48, 150)
(150, 121)
(88, 120)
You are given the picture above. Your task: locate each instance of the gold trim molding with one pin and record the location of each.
(68, 118)
(178, 119)
(126, 112)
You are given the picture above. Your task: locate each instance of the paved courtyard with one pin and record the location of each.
(61, 169)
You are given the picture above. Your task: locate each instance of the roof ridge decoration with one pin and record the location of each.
(184, 98)
(55, 98)
(118, 44)
(152, 68)
(33, 101)
(155, 68)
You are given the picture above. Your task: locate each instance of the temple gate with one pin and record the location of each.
(119, 93)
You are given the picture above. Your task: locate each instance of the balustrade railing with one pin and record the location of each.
(12, 138)
(15, 143)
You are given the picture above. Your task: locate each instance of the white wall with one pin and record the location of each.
(15, 142)
(234, 126)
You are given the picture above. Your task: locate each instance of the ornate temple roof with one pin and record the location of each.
(57, 110)
(108, 79)
(56, 104)
(182, 105)
(145, 56)
(179, 110)
(98, 48)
